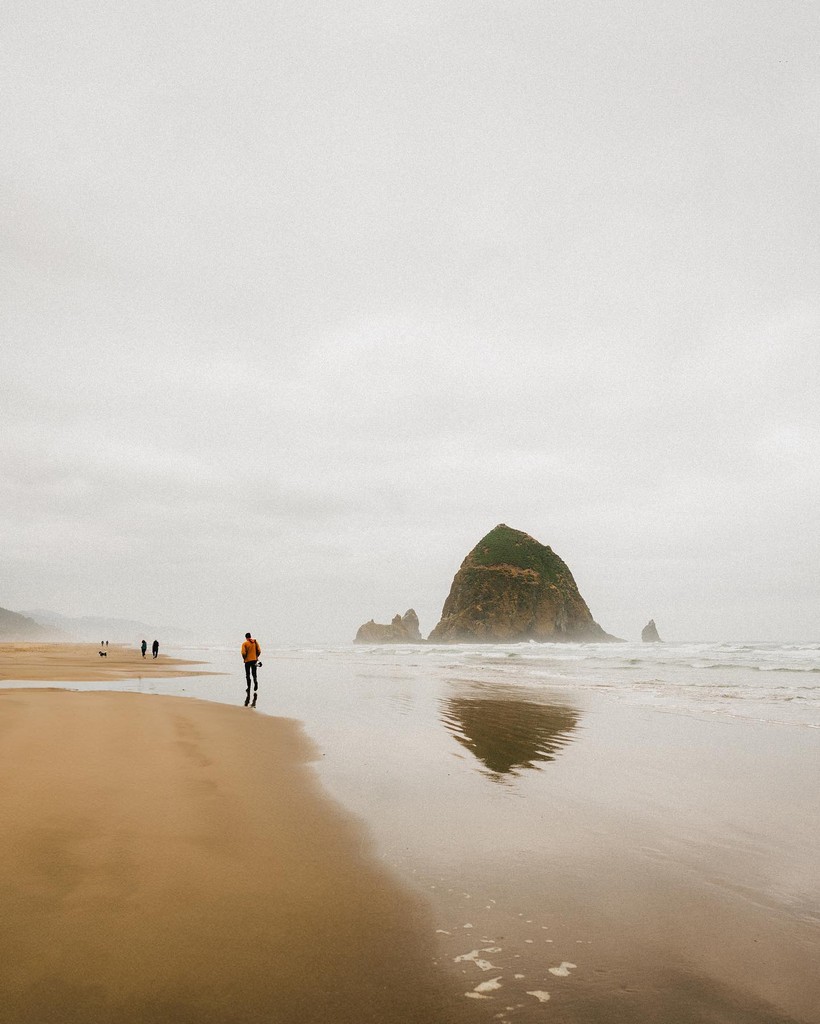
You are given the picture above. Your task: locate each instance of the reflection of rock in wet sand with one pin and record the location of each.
(508, 735)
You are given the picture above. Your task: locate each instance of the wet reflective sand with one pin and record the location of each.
(509, 735)
(584, 861)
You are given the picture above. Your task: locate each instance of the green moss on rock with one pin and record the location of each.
(505, 546)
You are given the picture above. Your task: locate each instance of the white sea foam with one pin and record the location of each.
(481, 990)
(474, 957)
(542, 997)
(563, 970)
(489, 986)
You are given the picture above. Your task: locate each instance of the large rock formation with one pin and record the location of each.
(404, 629)
(512, 588)
(649, 633)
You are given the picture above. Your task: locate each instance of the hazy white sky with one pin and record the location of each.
(301, 299)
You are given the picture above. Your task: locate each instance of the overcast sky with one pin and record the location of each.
(299, 300)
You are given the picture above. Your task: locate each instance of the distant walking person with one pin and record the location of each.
(143, 648)
(155, 648)
(250, 655)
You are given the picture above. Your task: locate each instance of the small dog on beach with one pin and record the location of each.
(103, 654)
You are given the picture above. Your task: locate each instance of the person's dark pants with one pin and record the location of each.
(250, 670)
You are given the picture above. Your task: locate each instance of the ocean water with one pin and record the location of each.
(605, 831)
(764, 682)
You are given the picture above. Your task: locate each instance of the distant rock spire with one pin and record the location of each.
(649, 633)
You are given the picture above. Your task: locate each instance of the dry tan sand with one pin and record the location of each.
(170, 860)
(82, 662)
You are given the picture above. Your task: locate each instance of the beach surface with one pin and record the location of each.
(168, 859)
(540, 834)
(49, 662)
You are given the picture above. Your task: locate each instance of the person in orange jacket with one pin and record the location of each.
(250, 655)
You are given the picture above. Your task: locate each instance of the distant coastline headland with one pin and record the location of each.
(509, 588)
(41, 625)
(14, 626)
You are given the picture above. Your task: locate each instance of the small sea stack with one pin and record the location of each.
(649, 633)
(404, 629)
